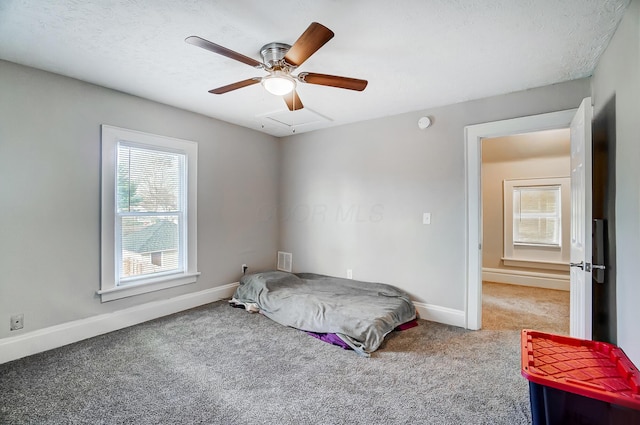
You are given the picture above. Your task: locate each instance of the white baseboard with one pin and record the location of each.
(535, 279)
(439, 314)
(16, 347)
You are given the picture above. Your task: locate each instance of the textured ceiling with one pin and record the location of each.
(416, 54)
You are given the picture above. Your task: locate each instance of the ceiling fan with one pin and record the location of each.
(280, 60)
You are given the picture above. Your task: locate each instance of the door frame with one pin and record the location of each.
(473, 194)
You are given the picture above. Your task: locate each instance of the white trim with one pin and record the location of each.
(110, 137)
(143, 287)
(536, 264)
(516, 277)
(436, 313)
(19, 346)
(473, 137)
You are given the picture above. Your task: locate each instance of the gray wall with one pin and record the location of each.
(352, 197)
(618, 73)
(50, 194)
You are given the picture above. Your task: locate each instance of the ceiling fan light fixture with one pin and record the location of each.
(280, 60)
(279, 83)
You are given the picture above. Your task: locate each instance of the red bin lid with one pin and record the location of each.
(589, 368)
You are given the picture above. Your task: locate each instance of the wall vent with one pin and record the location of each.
(285, 259)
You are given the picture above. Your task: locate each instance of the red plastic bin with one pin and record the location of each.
(576, 381)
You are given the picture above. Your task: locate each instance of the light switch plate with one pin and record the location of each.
(426, 218)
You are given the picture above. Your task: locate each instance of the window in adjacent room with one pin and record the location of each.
(148, 212)
(537, 215)
(536, 222)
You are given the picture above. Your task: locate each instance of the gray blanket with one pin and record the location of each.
(360, 313)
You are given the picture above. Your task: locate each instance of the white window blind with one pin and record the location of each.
(537, 215)
(149, 212)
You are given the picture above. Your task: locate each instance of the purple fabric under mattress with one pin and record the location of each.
(336, 340)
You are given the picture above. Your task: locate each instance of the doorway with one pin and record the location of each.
(594, 299)
(474, 135)
(526, 231)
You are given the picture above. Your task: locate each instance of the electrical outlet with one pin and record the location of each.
(17, 322)
(349, 274)
(244, 268)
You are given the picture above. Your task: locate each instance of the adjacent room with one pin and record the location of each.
(156, 156)
(525, 272)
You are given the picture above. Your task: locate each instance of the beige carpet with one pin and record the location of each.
(514, 307)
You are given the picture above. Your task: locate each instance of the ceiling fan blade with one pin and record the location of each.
(293, 101)
(235, 86)
(314, 37)
(333, 81)
(216, 48)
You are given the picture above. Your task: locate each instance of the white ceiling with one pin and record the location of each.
(416, 54)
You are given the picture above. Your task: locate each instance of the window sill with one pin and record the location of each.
(147, 286)
(538, 245)
(535, 264)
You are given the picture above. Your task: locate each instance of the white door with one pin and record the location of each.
(580, 257)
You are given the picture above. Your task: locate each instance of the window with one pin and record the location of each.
(536, 222)
(148, 212)
(156, 258)
(537, 215)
